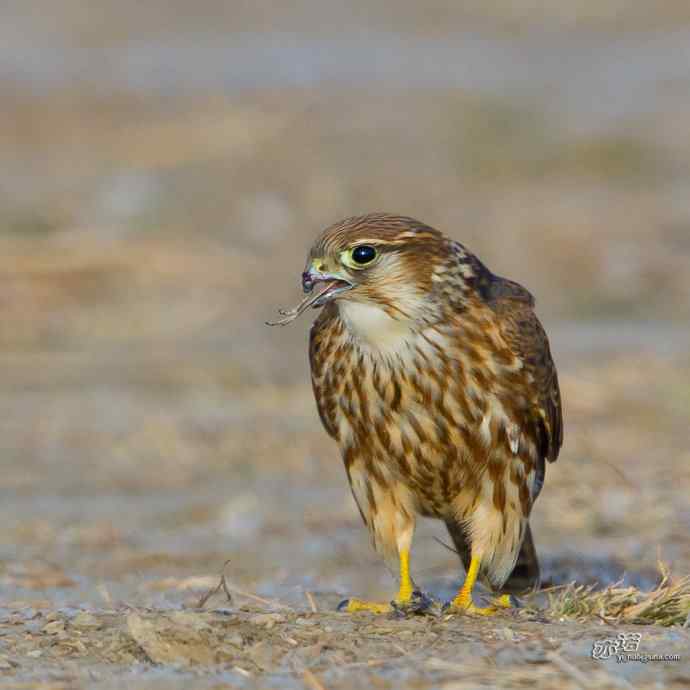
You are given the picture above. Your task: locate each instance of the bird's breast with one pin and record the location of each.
(413, 405)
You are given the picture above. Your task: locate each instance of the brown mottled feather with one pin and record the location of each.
(435, 378)
(316, 359)
(526, 336)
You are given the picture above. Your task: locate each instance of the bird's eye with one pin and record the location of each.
(360, 256)
(364, 254)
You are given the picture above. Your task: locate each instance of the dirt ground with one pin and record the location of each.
(161, 183)
(128, 501)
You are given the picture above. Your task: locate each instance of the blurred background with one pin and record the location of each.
(165, 167)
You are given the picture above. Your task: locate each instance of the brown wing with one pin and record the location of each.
(526, 336)
(318, 345)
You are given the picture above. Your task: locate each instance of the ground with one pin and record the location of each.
(163, 177)
(122, 519)
(252, 647)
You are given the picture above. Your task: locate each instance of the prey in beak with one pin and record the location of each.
(320, 288)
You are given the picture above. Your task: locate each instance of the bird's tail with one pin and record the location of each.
(525, 574)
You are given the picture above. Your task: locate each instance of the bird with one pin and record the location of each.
(435, 378)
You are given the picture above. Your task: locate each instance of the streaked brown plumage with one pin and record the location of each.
(435, 378)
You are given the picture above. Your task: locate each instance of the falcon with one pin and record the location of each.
(435, 378)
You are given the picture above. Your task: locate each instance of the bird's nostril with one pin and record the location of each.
(307, 283)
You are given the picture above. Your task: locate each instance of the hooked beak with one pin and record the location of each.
(329, 285)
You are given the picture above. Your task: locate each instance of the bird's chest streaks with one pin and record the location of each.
(385, 396)
(389, 409)
(427, 414)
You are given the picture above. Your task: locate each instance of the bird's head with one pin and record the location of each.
(384, 262)
(377, 260)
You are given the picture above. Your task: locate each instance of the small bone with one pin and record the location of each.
(291, 314)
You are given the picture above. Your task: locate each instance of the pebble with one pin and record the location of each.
(86, 621)
(506, 634)
(306, 622)
(530, 653)
(54, 627)
(235, 640)
(268, 620)
(533, 653)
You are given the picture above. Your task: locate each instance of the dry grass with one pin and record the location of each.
(668, 604)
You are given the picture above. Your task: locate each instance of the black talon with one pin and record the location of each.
(420, 601)
(418, 604)
(399, 610)
(342, 606)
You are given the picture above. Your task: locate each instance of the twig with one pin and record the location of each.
(312, 601)
(621, 475)
(603, 619)
(209, 594)
(105, 593)
(312, 681)
(222, 584)
(229, 590)
(446, 546)
(261, 600)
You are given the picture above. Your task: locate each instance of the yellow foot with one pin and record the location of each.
(471, 608)
(416, 602)
(466, 605)
(505, 601)
(408, 600)
(463, 601)
(354, 605)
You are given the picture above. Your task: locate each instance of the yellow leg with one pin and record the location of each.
(405, 590)
(403, 597)
(463, 600)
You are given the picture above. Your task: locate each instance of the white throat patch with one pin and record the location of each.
(370, 324)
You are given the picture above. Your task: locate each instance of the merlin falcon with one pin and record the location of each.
(435, 378)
